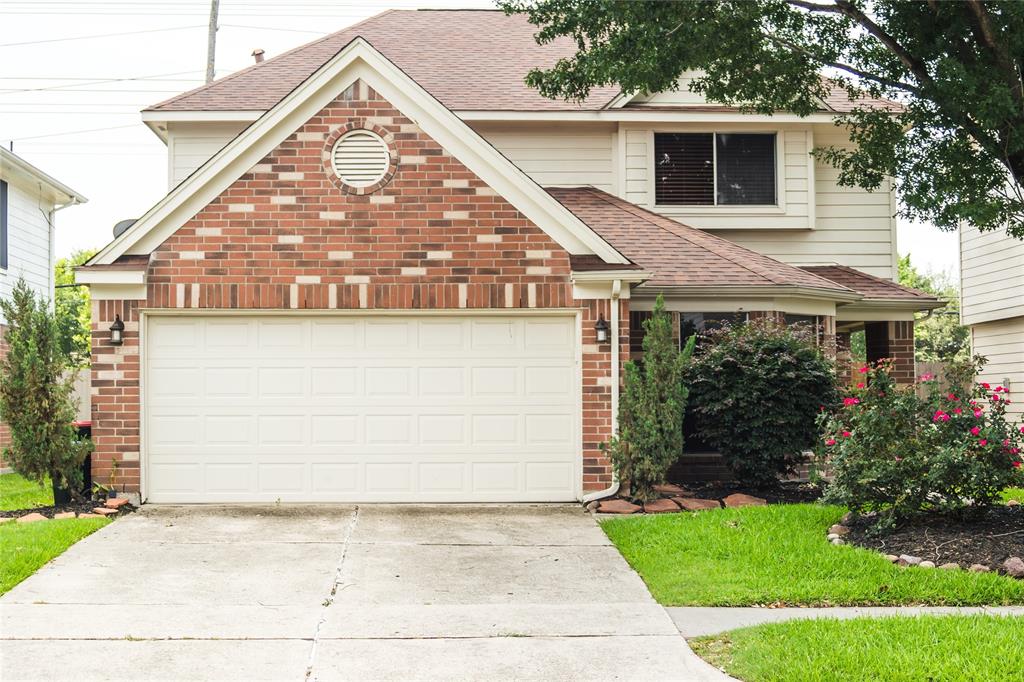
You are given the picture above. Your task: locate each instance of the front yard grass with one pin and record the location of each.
(1013, 494)
(24, 547)
(972, 647)
(778, 554)
(20, 493)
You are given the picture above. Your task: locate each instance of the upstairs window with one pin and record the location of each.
(714, 169)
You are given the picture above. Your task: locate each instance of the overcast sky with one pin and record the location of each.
(127, 54)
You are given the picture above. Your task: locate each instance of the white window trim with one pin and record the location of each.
(778, 208)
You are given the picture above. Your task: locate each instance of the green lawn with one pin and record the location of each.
(20, 493)
(24, 547)
(977, 648)
(778, 554)
(1013, 494)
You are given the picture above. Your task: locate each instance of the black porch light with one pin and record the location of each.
(117, 331)
(602, 329)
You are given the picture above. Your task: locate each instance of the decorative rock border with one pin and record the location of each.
(111, 507)
(673, 499)
(1012, 567)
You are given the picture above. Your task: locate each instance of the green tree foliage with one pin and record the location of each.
(651, 407)
(756, 390)
(36, 394)
(72, 308)
(938, 335)
(955, 148)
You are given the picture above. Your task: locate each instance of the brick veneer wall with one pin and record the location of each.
(285, 236)
(893, 340)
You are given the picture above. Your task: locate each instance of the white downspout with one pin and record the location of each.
(614, 487)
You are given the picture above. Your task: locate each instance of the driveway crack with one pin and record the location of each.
(336, 584)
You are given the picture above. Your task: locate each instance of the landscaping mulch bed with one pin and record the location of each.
(786, 492)
(85, 507)
(988, 540)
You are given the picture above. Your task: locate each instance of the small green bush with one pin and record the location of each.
(756, 390)
(36, 395)
(650, 437)
(893, 451)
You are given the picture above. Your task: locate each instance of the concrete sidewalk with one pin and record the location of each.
(697, 621)
(338, 593)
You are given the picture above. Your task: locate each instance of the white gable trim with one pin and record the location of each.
(358, 60)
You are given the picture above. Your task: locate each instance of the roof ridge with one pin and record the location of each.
(711, 244)
(252, 67)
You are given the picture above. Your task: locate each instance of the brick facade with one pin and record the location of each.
(5, 431)
(893, 340)
(285, 236)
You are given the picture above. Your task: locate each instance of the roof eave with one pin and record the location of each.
(62, 194)
(768, 290)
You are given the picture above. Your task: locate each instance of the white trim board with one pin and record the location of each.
(357, 61)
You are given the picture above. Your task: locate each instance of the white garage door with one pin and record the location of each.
(367, 408)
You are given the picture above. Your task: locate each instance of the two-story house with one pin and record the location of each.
(387, 270)
(992, 305)
(29, 201)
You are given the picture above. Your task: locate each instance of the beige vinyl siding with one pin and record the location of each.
(29, 242)
(189, 145)
(845, 225)
(1002, 342)
(563, 155)
(992, 275)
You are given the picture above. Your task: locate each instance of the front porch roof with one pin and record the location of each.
(877, 293)
(684, 259)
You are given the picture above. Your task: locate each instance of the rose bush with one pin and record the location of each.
(894, 451)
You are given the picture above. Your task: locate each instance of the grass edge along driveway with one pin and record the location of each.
(25, 547)
(778, 555)
(893, 649)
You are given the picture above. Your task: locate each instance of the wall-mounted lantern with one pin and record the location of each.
(117, 331)
(602, 329)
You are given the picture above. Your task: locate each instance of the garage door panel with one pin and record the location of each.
(361, 409)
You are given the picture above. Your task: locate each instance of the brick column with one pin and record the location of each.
(844, 358)
(893, 340)
(115, 395)
(597, 390)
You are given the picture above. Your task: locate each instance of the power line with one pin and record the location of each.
(72, 132)
(107, 80)
(98, 35)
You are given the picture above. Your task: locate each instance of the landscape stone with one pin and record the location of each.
(696, 504)
(927, 564)
(660, 506)
(618, 506)
(116, 502)
(103, 511)
(832, 536)
(741, 500)
(31, 517)
(978, 568)
(1014, 567)
(848, 518)
(951, 566)
(64, 515)
(1012, 503)
(838, 541)
(839, 529)
(90, 516)
(593, 505)
(892, 558)
(909, 560)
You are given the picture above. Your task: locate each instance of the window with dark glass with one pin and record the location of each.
(714, 169)
(3, 225)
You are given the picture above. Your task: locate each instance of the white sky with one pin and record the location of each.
(52, 85)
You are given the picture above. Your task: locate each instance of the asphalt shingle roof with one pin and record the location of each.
(467, 59)
(676, 254)
(871, 287)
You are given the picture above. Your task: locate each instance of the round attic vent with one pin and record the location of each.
(360, 158)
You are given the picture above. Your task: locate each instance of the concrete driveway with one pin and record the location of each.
(338, 593)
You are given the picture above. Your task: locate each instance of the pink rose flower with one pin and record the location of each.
(846, 434)
(830, 441)
(860, 384)
(863, 370)
(957, 410)
(952, 397)
(975, 431)
(985, 386)
(978, 413)
(982, 442)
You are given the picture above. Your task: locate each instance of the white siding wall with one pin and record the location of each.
(1002, 342)
(189, 145)
(845, 225)
(564, 155)
(29, 241)
(991, 275)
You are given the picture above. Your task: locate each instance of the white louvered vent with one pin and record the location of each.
(360, 158)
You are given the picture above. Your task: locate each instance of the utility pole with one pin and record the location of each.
(211, 40)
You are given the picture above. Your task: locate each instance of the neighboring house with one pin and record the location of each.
(29, 200)
(992, 305)
(386, 270)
